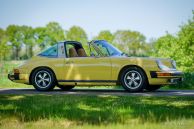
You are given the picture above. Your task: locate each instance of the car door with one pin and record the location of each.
(85, 69)
(90, 69)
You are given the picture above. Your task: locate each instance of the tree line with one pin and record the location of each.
(22, 42)
(15, 38)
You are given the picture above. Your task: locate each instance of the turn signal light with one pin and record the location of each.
(164, 74)
(16, 71)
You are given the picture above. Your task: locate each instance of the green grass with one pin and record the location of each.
(76, 111)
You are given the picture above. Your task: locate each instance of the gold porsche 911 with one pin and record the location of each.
(66, 65)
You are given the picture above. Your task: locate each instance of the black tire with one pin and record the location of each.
(152, 87)
(43, 79)
(133, 79)
(65, 88)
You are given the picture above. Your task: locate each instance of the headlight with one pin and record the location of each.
(161, 65)
(173, 64)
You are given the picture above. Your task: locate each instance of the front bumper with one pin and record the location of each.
(169, 77)
(166, 74)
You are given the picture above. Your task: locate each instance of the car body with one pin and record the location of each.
(66, 65)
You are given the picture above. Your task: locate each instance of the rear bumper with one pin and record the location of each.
(13, 77)
(19, 78)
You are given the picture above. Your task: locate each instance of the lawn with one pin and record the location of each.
(76, 111)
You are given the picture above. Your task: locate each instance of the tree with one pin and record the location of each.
(179, 47)
(15, 37)
(41, 37)
(49, 35)
(4, 48)
(55, 32)
(186, 45)
(105, 35)
(131, 42)
(28, 40)
(76, 33)
(166, 46)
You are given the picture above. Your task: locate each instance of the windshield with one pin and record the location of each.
(106, 49)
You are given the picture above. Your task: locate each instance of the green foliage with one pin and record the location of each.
(55, 32)
(131, 42)
(186, 45)
(28, 40)
(179, 47)
(188, 82)
(42, 39)
(15, 37)
(4, 48)
(25, 36)
(49, 35)
(105, 35)
(166, 46)
(76, 33)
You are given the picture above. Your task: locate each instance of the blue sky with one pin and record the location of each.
(150, 17)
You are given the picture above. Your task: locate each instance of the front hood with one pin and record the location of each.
(165, 61)
(150, 58)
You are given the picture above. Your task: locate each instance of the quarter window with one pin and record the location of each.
(50, 52)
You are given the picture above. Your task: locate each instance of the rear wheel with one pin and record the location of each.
(152, 87)
(65, 88)
(43, 79)
(133, 79)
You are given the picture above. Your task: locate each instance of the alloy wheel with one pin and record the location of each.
(42, 79)
(132, 79)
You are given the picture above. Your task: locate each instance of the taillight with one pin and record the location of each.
(16, 71)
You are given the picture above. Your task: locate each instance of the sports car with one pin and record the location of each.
(67, 65)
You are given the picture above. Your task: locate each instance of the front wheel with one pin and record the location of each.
(43, 79)
(133, 79)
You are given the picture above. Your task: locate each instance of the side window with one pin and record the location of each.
(61, 50)
(50, 52)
